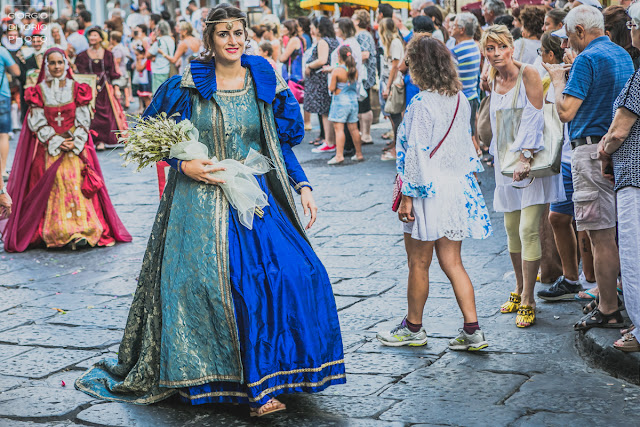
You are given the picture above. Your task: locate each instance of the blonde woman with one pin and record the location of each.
(393, 47)
(188, 47)
(522, 206)
(272, 35)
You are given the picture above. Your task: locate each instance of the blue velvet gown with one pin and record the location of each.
(223, 313)
(281, 291)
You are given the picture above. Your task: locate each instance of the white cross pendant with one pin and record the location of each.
(59, 119)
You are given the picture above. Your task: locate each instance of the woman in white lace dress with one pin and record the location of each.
(441, 201)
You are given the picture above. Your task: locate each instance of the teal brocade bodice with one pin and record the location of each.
(239, 113)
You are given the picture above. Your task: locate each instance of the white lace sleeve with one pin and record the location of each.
(82, 123)
(45, 133)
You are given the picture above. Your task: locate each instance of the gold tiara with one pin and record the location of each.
(229, 22)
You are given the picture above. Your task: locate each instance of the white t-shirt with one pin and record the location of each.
(396, 51)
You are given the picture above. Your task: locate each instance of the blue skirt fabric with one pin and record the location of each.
(286, 314)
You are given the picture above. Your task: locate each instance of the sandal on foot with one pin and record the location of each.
(512, 305)
(589, 295)
(526, 316)
(355, 158)
(588, 308)
(387, 155)
(627, 343)
(627, 330)
(387, 135)
(273, 405)
(597, 319)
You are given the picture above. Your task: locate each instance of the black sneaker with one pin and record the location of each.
(561, 290)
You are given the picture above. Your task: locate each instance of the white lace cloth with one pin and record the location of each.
(549, 189)
(447, 201)
(46, 134)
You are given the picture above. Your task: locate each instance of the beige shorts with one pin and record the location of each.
(593, 197)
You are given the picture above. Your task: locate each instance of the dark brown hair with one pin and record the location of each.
(346, 56)
(552, 44)
(219, 13)
(431, 66)
(615, 22)
(532, 19)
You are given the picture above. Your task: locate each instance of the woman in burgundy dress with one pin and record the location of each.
(109, 116)
(57, 185)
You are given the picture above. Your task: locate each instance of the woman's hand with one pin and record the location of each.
(308, 205)
(385, 93)
(67, 145)
(327, 69)
(200, 170)
(521, 171)
(405, 211)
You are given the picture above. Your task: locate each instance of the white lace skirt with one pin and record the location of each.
(456, 211)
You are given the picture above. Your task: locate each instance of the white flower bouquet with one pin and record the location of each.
(155, 138)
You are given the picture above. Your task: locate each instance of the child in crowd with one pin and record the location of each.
(343, 86)
(141, 81)
(266, 51)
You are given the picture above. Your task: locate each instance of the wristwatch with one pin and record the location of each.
(527, 154)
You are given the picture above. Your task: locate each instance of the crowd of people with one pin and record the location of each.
(548, 95)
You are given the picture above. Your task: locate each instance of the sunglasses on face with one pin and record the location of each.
(631, 25)
(540, 51)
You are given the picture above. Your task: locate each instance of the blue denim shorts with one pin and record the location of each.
(344, 108)
(5, 114)
(565, 207)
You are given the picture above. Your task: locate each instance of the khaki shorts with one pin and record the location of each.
(593, 197)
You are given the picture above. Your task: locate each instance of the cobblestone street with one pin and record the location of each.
(60, 311)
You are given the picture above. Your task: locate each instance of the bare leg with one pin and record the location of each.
(448, 253)
(551, 263)
(566, 243)
(355, 136)
(516, 261)
(366, 119)
(607, 267)
(4, 152)
(584, 244)
(419, 255)
(307, 119)
(329, 135)
(529, 274)
(339, 132)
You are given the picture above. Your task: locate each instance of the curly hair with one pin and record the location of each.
(431, 66)
(532, 19)
(219, 13)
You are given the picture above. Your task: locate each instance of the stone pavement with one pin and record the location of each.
(526, 377)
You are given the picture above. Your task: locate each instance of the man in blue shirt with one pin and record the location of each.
(585, 101)
(7, 64)
(467, 56)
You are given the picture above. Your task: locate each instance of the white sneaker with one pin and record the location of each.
(401, 335)
(473, 342)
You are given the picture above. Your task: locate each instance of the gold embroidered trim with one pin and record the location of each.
(222, 226)
(296, 371)
(207, 379)
(149, 400)
(302, 184)
(187, 78)
(265, 392)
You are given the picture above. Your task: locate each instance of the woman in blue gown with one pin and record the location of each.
(223, 313)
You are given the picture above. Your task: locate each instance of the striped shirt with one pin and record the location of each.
(467, 56)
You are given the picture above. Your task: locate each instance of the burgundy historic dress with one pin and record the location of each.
(51, 204)
(109, 116)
